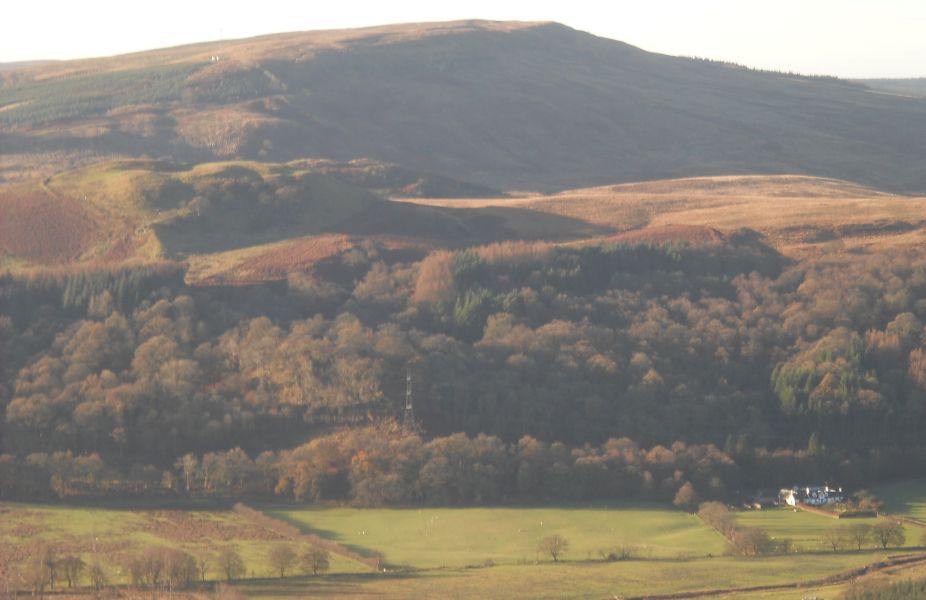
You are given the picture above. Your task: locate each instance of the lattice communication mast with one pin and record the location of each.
(409, 424)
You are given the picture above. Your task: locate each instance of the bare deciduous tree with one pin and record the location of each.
(835, 537)
(316, 560)
(859, 533)
(72, 567)
(889, 533)
(203, 564)
(281, 557)
(555, 545)
(231, 563)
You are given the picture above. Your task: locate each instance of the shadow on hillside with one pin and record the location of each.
(326, 534)
(459, 227)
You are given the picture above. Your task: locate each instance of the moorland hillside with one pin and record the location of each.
(535, 106)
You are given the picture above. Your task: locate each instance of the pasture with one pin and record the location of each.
(904, 499)
(456, 552)
(457, 537)
(806, 530)
(586, 580)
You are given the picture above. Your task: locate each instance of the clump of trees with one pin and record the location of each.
(755, 542)
(314, 560)
(621, 552)
(718, 516)
(748, 541)
(158, 568)
(162, 568)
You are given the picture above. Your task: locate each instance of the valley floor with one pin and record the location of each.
(474, 552)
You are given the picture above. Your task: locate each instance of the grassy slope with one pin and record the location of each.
(508, 105)
(109, 536)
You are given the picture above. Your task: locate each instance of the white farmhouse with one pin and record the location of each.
(812, 495)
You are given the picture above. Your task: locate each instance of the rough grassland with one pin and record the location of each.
(109, 536)
(142, 210)
(797, 215)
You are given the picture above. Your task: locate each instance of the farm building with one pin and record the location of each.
(763, 499)
(812, 495)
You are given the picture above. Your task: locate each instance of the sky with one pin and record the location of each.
(846, 38)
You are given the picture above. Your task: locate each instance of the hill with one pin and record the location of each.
(504, 105)
(913, 87)
(248, 222)
(798, 216)
(241, 221)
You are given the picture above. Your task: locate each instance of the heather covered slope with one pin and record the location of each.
(505, 105)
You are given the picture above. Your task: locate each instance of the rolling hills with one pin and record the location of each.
(508, 106)
(794, 214)
(281, 152)
(238, 221)
(247, 222)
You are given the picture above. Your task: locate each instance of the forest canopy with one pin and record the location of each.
(748, 357)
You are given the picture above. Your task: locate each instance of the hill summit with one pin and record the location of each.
(508, 106)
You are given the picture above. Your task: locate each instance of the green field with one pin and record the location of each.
(456, 552)
(906, 499)
(454, 537)
(805, 529)
(574, 580)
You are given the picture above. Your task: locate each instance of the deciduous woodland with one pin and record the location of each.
(538, 372)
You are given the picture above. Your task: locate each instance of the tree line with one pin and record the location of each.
(382, 465)
(754, 541)
(161, 569)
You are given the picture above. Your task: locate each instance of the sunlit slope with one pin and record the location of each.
(237, 221)
(141, 209)
(795, 214)
(511, 106)
(246, 222)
